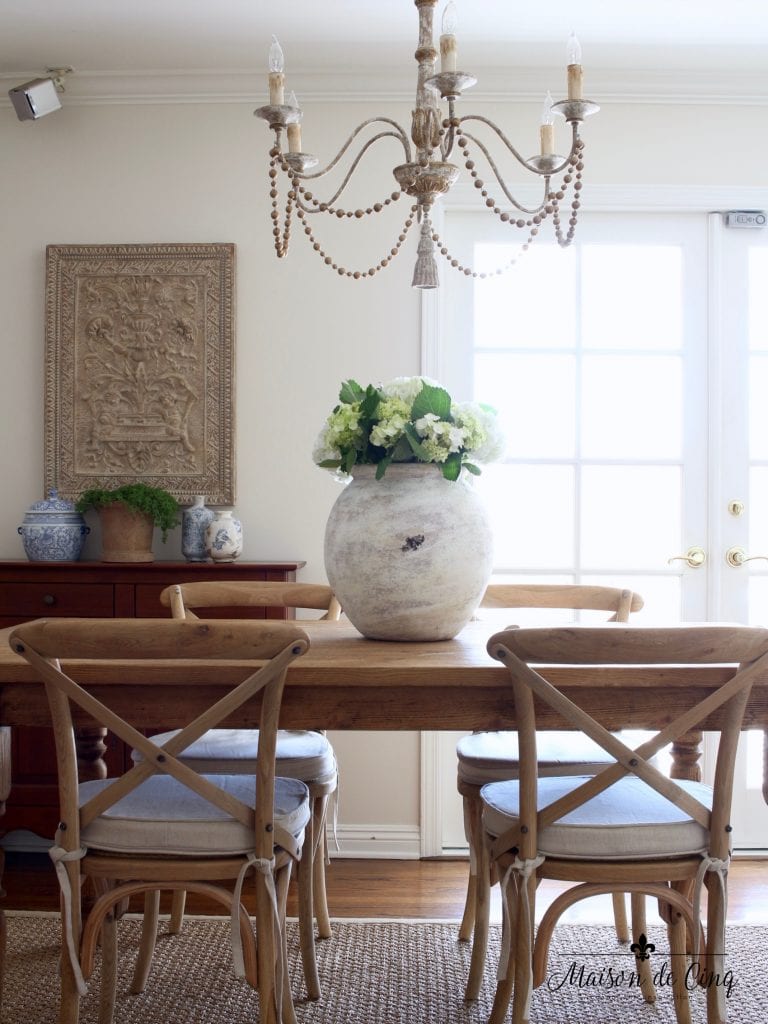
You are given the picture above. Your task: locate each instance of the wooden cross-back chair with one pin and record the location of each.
(161, 825)
(300, 754)
(493, 756)
(629, 827)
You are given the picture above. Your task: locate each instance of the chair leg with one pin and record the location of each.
(715, 975)
(620, 916)
(178, 903)
(108, 990)
(148, 939)
(306, 919)
(505, 986)
(677, 932)
(482, 902)
(468, 917)
(288, 1009)
(319, 857)
(639, 926)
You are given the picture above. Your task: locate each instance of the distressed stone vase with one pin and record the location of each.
(408, 556)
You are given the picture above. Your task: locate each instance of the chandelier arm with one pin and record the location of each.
(350, 172)
(497, 175)
(514, 152)
(399, 134)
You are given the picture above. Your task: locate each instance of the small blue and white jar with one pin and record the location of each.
(195, 520)
(224, 537)
(53, 531)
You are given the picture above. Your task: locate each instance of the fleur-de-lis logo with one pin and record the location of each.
(642, 948)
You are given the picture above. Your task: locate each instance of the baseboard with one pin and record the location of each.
(393, 842)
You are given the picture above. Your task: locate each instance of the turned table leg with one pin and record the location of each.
(91, 749)
(686, 752)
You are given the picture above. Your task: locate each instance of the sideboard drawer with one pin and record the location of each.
(35, 600)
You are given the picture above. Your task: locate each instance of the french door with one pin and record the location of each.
(629, 372)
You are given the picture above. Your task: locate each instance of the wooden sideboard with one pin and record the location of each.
(33, 590)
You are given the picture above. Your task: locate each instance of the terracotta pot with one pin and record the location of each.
(408, 556)
(126, 535)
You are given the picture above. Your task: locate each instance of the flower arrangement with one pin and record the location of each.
(410, 419)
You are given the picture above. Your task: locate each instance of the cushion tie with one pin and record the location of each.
(59, 855)
(266, 867)
(524, 869)
(720, 868)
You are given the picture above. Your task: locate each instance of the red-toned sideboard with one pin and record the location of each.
(32, 590)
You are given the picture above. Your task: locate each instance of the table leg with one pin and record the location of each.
(686, 752)
(90, 753)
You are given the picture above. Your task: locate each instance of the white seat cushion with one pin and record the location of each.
(301, 754)
(487, 757)
(627, 821)
(161, 816)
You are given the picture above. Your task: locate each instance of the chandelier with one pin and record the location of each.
(427, 172)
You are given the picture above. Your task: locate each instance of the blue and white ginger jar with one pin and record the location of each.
(195, 520)
(224, 537)
(53, 531)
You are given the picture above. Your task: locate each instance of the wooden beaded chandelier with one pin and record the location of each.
(427, 172)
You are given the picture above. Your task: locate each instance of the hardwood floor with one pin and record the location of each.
(399, 888)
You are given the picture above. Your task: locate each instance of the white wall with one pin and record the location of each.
(196, 172)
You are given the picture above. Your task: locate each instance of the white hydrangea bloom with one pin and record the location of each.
(406, 388)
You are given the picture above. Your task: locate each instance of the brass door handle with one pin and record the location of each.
(695, 557)
(738, 556)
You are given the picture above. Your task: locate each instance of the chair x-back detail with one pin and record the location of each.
(161, 825)
(301, 754)
(493, 756)
(627, 828)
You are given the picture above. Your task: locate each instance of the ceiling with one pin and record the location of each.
(365, 45)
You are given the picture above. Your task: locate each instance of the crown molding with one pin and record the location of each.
(522, 85)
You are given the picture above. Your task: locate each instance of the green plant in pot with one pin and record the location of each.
(128, 515)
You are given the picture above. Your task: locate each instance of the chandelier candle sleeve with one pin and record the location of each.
(294, 129)
(448, 47)
(574, 68)
(276, 77)
(547, 128)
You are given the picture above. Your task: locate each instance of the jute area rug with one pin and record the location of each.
(390, 972)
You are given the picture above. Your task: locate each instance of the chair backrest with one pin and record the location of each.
(262, 650)
(182, 598)
(619, 601)
(629, 650)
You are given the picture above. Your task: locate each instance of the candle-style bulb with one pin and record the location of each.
(276, 59)
(448, 24)
(573, 50)
(546, 110)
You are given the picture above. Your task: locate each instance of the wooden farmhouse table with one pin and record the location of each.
(348, 682)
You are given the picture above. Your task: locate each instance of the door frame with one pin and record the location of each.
(599, 199)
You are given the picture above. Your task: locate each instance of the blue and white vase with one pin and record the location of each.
(195, 520)
(53, 531)
(224, 537)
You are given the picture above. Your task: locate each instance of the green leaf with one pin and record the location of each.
(369, 403)
(351, 392)
(350, 458)
(415, 442)
(472, 468)
(330, 463)
(402, 452)
(381, 468)
(434, 400)
(452, 466)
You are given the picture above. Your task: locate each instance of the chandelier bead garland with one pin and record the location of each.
(428, 173)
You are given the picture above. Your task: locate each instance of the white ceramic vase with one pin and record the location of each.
(408, 556)
(224, 537)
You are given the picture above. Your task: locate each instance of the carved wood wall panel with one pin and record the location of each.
(139, 368)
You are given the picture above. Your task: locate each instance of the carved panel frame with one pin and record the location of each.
(139, 357)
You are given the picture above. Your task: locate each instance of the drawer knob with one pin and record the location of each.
(49, 599)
